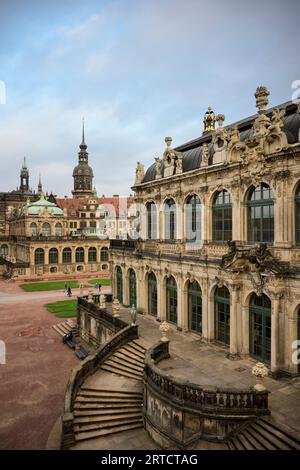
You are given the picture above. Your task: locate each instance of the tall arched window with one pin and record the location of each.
(119, 283)
(58, 230)
(39, 256)
(92, 255)
(53, 256)
(67, 256)
(4, 249)
(297, 215)
(151, 221)
(79, 255)
(222, 217)
(46, 229)
(33, 229)
(152, 294)
(171, 300)
(222, 315)
(104, 254)
(193, 218)
(195, 307)
(170, 219)
(261, 214)
(132, 287)
(260, 327)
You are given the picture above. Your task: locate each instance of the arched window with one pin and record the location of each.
(132, 287)
(104, 254)
(260, 327)
(151, 221)
(222, 315)
(261, 214)
(92, 254)
(170, 219)
(222, 217)
(39, 256)
(4, 250)
(67, 256)
(33, 229)
(297, 215)
(46, 229)
(171, 300)
(119, 283)
(79, 255)
(193, 218)
(58, 230)
(152, 294)
(53, 256)
(195, 307)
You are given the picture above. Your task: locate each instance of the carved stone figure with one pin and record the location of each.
(276, 139)
(235, 147)
(139, 173)
(170, 159)
(220, 141)
(205, 155)
(158, 163)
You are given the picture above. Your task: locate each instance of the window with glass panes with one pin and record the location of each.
(92, 254)
(195, 307)
(222, 217)
(170, 220)
(46, 229)
(222, 315)
(260, 327)
(297, 216)
(104, 254)
(39, 256)
(152, 294)
(171, 300)
(67, 255)
(193, 218)
(79, 255)
(53, 256)
(151, 221)
(261, 214)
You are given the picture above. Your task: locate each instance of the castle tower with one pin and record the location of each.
(83, 173)
(24, 177)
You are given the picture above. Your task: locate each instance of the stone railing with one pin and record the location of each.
(87, 367)
(178, 413)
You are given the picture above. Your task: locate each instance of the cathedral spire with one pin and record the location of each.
(83, 173)
(83, 141)
(40, 187)
(24, 177)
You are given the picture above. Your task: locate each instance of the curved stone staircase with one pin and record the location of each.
(265, 434)
(100, 410)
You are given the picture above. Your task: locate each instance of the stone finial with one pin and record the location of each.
(209, 120)
(116, 308)
(260, 371)
(261, 96)
(90, 296)
(168, 141)
(220, 118)
(102, 301)
(133, 314)
(164, 328)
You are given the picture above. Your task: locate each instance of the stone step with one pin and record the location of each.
(235, 444)
(104, 432)
(131, 349)
(106, 426)
(122, 372)
(136, 343)
(112, 393)
(82, 420)
(286, 435)
(71, 323)
(64, 328)
(123, 362)
(269, 435)
(256, 445)
(245, 442)
(96, 406)
(108, 411)
(123, 368)
(128, 358)
(264, 442)
(101, 395)
(96, 399)
(131, 355)
(59, 330)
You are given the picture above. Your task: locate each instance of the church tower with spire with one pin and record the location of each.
(24, 178)
(83, 173)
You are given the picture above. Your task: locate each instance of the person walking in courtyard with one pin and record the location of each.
(99, 286)
(69, 292)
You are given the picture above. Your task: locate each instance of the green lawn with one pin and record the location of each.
(53, 285)
(64, 308)
(103, 282)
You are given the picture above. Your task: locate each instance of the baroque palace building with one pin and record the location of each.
(49, 236)
(218, 252)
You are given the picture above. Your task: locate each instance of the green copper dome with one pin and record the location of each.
(35, 208)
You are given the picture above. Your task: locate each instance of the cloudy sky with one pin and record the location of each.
(137, 70)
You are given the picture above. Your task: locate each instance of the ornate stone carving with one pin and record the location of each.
(158, 163)
(172, 159)
(205, 155)
(164, 328)
(139, 173)
(209, 120)
(235, 147)
(220, 141)
(276, 139)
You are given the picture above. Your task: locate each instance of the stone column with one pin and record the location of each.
(179, 217)
(245, 330)
(185, 306)
(160, 226)
(125, 278)
(210, 316)
(292, 337)
(237, 219)
(161, 298)
(233, 319)
(205, 309)
(275, 334)
(180, 304)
